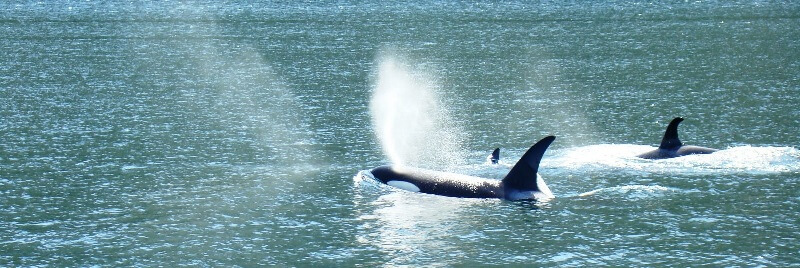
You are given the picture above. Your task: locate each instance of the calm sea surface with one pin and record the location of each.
(234, 134)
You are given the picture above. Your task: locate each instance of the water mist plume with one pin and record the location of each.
(412, 125)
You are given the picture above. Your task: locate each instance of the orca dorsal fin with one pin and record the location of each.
(670, 140)
(495, 156)
(523, 175)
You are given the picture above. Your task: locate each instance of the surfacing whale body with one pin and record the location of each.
(495, 156)
(671, 146)
(522, 182)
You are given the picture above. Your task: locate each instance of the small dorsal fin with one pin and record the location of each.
(523, 175)
(495, 156)
(670, 140)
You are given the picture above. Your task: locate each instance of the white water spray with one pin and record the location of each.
(410, 120)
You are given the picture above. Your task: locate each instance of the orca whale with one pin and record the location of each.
(522, 182)
(495, 156)
(671, 146)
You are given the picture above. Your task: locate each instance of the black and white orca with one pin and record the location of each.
(671, 146)
(522, 182)
(495, 156)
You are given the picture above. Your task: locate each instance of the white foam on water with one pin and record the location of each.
(622, 157)
(631, 191)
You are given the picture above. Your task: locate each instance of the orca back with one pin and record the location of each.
(495, 156)
(523, 175)
(437, 182)
(671, 146)
(670, 141)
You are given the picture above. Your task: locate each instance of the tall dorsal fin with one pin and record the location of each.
(670, 140)
(523, 175)
(495, 156)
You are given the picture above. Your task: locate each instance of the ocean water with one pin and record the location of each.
(235, 134)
